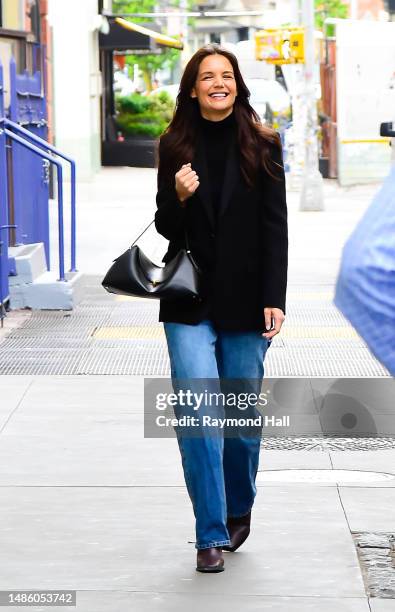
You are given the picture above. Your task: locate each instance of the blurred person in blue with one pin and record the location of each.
(365, 289)
(221, 179)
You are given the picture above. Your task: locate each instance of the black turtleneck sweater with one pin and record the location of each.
(216, 138)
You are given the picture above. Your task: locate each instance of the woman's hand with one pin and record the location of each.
(277, 316)
(187, 181)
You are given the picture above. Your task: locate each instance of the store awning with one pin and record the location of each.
(161, 39)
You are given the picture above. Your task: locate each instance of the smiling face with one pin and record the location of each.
(215, 87)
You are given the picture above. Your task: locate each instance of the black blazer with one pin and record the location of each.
(243, 256)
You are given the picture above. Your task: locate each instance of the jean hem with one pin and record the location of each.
(211, 544)
(239, 515)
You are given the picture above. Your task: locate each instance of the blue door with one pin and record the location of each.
(3, 202)
(30, 173)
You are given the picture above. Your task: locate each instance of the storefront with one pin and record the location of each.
(24, 87)
(125, 37)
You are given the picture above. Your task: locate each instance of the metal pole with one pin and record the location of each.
(73, 267)
(2, 307)
(43, 143)
(312, 187)
(184, 32)
(60, 223)
(44, 155)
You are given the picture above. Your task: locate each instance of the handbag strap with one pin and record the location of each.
(149, 225)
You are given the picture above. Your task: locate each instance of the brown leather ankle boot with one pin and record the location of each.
(239, 530)
(210, 560)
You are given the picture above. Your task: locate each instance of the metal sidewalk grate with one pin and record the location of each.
(110, 334)
(325, 444)
(143, 359)
(40, 361)
(35, 342)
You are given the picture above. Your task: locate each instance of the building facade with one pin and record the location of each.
(77, 81)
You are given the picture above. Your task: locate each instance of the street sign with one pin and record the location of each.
(280, 45)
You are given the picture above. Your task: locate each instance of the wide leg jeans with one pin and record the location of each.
(219, 470)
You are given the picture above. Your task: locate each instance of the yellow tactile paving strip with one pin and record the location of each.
(129, 298)
(292, 295)
(318, 331)
(156, 332)
(316, 296)
(136, 332)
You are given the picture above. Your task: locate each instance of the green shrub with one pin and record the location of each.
(164, 98)
(134, 103)
(133, 126)
(153, 130)
(144, 115)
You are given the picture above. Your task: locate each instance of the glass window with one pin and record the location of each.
(9, 47)
(13, 14)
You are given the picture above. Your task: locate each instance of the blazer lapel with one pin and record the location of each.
(231, 176)
(199, 164)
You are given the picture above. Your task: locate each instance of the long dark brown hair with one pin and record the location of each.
(179, 139)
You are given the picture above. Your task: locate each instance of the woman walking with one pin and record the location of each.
(221, 181)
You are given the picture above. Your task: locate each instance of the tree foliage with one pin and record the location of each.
(329, 8)
(149, 63)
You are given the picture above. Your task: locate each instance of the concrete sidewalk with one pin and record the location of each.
(88, 504)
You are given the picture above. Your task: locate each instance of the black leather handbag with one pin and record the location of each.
(133, 273)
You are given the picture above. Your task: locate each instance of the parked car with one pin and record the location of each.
(270, 100)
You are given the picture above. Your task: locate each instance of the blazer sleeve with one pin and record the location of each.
(170, 214)
(275, 236)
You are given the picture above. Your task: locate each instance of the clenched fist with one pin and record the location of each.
(187, 181)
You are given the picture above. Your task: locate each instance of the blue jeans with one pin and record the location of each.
(219, 470)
